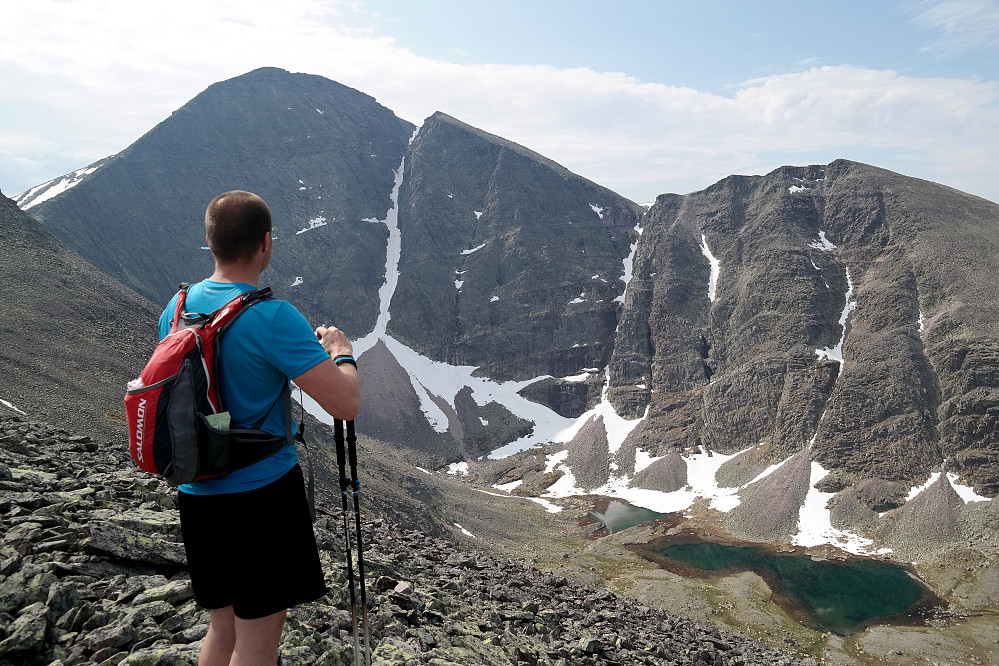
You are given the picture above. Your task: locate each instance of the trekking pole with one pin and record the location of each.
(352, 457)
(344, 485)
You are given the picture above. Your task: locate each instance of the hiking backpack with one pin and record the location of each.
(177, 427)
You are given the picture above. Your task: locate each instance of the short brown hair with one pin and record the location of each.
(236, 223)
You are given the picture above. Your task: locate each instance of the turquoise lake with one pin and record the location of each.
(839, 596)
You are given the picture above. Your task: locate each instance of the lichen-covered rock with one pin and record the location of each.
(27, 633)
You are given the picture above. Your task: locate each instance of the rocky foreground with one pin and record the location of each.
(92, 572)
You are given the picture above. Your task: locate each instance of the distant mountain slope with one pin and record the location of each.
(71, 336)
(321, 154)
(893, 275)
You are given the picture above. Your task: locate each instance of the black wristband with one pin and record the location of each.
(344, 358)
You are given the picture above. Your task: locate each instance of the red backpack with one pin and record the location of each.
(177, 427)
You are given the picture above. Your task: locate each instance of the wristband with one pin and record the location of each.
(344, 358)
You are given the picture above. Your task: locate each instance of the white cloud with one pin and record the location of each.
(81, 84)
(965, 24)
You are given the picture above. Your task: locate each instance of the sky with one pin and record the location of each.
(642, 96)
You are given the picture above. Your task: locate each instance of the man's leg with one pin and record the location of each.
(257, 640)
(216, 649)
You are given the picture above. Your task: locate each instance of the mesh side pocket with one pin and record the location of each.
(213, 444)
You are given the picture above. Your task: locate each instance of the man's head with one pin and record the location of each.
(236, 224)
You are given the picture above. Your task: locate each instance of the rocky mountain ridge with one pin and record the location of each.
(321, 154)
(834, 319)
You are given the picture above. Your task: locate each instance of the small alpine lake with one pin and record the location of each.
(841, 596)
(615, 516)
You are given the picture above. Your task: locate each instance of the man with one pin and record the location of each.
(248, 535)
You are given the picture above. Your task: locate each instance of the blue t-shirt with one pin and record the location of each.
(267, 344)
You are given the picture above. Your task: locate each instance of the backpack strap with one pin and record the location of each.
(252, 450)
(300, 437)
(249, 448)
(179, 309)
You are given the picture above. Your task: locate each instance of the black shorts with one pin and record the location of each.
(255, 550)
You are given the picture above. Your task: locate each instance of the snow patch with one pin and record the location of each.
(478, 214)
(550, 507)
(298, 281)
(715, 268)
(508, 487)
(314, 223)
(815, 524)
(836, 353)
(629, 263)
(582, 377)
(598, 210)
(823, 243)
(474, 249)
(966, 493)
(701, 470)
(52, 188)
(464, 531)
(11, 406)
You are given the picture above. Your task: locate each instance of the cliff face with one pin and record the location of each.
(852, 313)
(509, 261)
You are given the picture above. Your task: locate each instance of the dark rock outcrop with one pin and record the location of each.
(509, 261)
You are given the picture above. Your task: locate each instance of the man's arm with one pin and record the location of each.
(337, 389)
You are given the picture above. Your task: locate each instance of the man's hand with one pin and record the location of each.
(337, 389)
(334, 341)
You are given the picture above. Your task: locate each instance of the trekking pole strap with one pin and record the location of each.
(300, 437)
